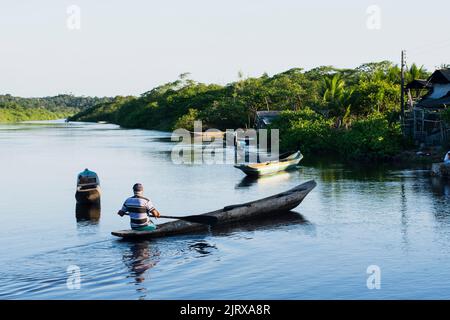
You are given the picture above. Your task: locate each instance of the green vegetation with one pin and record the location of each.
(368, 138)
(15, 113)
(15, 109)
(352, 113)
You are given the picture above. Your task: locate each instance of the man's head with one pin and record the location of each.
(138, 189)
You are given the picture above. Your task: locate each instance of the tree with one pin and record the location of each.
(337, 98)
(415, 73)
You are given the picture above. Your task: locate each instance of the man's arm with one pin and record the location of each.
(151, 209)
(122, 211)
(155, 213)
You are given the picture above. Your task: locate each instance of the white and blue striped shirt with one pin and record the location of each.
(138, 208)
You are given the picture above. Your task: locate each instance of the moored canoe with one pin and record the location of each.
(88, 196)
(286, 162)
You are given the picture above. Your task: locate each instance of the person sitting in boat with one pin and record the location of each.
(139, 208)
(447, 158)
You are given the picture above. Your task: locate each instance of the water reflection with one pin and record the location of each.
(86, 212)
(440, 186)
(274, 179)
(266, 223)
(202, 247)
(441, 191)
(141, 257)
(404, 216)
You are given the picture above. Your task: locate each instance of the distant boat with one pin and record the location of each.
(88, 188)
(287, 161)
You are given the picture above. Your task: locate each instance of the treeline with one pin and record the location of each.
(14, 109)
(360, 106)
(16, 113)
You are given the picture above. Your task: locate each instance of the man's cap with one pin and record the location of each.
(138, 187)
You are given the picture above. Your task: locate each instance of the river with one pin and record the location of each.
(397, 220)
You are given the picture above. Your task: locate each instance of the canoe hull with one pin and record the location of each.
(260, 169)
(88, 196)
(281, 202)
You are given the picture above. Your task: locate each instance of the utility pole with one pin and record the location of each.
(402, 98)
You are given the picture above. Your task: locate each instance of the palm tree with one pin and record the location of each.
(415, 73)
(337, 98)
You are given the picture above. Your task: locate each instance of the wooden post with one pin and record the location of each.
(402, 91)
(423, 123)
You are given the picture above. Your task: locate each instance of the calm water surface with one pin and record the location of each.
(396, 219)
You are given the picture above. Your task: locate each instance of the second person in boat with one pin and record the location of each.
(139, 209)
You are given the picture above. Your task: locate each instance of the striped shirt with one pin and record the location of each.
(138, 208)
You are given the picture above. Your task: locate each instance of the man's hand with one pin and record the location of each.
(121, 213)
(156, 213)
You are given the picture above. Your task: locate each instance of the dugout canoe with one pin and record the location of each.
(88, 188)
(287, 161)
(272, 205)
(86, 196)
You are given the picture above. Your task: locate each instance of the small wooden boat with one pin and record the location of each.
(440, 169)
(88, 188)
(266, 207)
(287, 161)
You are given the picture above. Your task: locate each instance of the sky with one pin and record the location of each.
(109, 47)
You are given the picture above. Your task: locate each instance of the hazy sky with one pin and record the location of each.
(128, 47)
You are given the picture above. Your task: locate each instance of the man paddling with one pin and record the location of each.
(139, 208)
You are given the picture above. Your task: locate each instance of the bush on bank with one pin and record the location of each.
(371, 138)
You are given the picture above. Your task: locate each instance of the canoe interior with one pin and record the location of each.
(88, 196)
(273, 205)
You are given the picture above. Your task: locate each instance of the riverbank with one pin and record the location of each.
(19, 114)
(17, 109)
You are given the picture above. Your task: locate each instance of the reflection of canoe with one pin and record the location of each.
(281, 202)
(287, 161)
(273, 179)
(440, 170)
(89, 211)
(88, 196)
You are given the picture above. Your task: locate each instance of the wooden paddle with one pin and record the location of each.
(210, 220)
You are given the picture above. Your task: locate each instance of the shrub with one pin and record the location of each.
(370, 139)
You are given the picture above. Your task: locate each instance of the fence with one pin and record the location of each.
(425, 126)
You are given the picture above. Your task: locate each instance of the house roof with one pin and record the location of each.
(419, 84)
(440, 76)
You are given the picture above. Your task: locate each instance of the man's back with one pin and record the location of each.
(138, 208)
